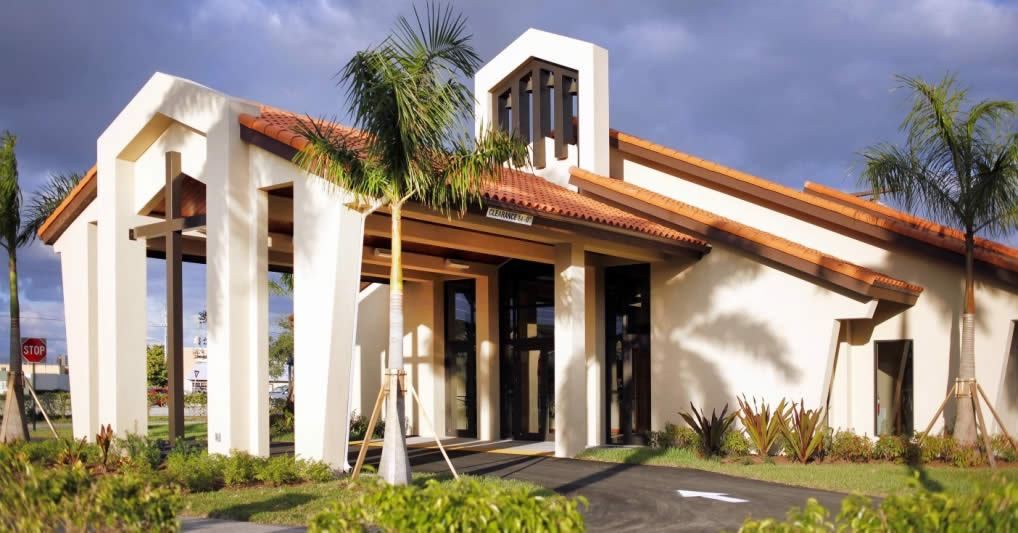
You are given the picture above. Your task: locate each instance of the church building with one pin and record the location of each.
(588, 300)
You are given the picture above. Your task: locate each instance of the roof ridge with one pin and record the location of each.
(1006, 260)
(908, 218)
(747, 232)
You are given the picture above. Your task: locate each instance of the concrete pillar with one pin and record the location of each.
(237, 299)
(418, 353)
(372, 343)
(487, 358)
(327, 240)
(78, 267)
(120, 306)
(594, 316)
(570, 351)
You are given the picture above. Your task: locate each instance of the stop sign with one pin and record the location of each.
(33, 350)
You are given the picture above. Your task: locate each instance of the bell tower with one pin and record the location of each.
(551, 91)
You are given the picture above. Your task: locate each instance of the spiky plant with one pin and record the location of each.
(711, 430)
(762, 424)
(804, 432)
(409, 107)
(958, 166)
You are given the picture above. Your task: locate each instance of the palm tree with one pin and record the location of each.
(15, 234)
(959, 167)
(410, 110)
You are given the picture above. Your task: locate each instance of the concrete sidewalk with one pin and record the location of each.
(214, 525)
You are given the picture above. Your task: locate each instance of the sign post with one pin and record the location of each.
(33, 350)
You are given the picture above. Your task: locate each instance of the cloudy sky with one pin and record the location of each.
(786, 90)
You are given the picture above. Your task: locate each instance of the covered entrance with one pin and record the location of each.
(627, 357)
(527, 326)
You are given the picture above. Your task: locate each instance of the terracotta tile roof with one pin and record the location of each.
(516, 189)
(923, 230)
(743, 231)
(911, 220)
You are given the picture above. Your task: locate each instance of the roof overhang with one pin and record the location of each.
(857, 280)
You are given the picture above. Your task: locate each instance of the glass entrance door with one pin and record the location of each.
(527, 328)
(627, 361)
(461, 358)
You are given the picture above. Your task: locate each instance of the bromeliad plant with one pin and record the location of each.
(711, 431)
(803, 432)
(763, 425)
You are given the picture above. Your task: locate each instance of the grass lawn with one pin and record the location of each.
(289, 505)
(874, 479)
(158, 428)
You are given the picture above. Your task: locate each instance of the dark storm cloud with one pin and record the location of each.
(788, 91)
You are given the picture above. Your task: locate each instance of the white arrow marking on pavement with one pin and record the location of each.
(719, 496)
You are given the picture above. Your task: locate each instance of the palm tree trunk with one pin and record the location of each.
(14, 406)
(395, 463)
(965, 424)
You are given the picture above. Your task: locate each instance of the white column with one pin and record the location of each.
(121, 302)
(237, 299)
(327, 241)
(487, 358)
(418, 353)
(570, 351)
(594, 309)
(77, 249)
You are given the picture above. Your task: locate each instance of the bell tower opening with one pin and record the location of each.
(537, 101)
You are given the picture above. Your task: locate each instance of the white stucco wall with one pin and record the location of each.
(932, 323)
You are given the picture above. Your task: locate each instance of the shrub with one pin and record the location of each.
(847, 446)
(141, 451)
(711, 431)
(803, 434)
(992, 507)
(1004, 449)
(889, 448)
(71, 499)
(315, 471)
(240, 468)
(463, 505)
(735, 444)
(281, 470)
(682, 437)
(968, 456)
(157, 399)
(762, 424)
(280, 417)
(45, 452)
(197, 472)
(56, 403)
(359, 426)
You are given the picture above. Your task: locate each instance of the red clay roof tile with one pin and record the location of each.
(738, 229)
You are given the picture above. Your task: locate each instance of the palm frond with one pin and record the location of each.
(958, 166)
(45, 201)
(283, 287)
(10, 193)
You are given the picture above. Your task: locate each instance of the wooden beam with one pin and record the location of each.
(280, 242)
(159, 229)
(280, 207)
(462, 239)
(429, 263)
(379, 271)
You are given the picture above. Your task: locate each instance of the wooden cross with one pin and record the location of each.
(171, 229)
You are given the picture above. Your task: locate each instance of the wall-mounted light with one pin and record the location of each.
(382, 252)
(456, 265)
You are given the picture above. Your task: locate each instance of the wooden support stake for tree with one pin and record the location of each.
(996, 416)
(370, 430)
(424, 413)
(43, 411)
(982, 425)
(937, 415)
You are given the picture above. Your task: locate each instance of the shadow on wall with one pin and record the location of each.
(699, 377)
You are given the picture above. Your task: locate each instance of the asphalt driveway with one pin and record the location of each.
(636, 497)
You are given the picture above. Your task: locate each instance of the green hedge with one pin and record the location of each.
(74, 498)
(983, 508)
(467, 504)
